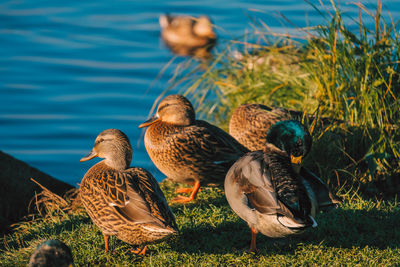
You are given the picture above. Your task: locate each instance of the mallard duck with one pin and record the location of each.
(188, 35)
(187, 150)
(250, 123)
(122, 201)
(263, 188)
(52, 253)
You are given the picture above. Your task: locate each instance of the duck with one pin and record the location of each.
(264, 189)
(124, 201)
(51, 253)
(186, 35)
(250, 123)
(187, 150)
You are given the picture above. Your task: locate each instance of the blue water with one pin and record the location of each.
(70, 69)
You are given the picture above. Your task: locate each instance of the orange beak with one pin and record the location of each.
(89, 156)
(150, 121)
(296, 160)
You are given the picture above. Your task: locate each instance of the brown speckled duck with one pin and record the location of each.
(250, 123)
(187, 150)
(122, 201)
(188, 35)
(264, 189)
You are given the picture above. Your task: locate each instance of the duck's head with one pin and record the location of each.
(292, 137)
(173, 109)
(52, 253)
(201, 26)
(112, 145)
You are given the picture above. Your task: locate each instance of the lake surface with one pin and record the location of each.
(70, 69)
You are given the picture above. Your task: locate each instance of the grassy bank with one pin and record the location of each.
(343, 70)
(361, 232)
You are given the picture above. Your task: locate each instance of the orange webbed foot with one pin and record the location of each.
(139, 251)
(182, 199)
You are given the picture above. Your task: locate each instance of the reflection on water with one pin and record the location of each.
(70, 69)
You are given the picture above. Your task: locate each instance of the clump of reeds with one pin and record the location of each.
(351, 76)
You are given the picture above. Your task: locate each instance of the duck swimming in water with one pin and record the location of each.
(186, 35)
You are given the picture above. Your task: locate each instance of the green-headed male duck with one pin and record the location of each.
(263, 188)
(123, 201)
(187, 150)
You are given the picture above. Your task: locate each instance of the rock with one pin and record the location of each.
(17, 190)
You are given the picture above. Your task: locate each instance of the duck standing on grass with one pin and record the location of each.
(122, 201)
(187, 150)
(186, 35)
(250, 124)
(263, 188)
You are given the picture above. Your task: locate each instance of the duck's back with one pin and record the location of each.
(126, 204)
(263, 190)
(250, 123)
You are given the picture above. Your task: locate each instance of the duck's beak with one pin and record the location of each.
(296, 163)
(296, 160)
(150, 121)
(89, 156)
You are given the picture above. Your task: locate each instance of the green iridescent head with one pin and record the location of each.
(290, 136)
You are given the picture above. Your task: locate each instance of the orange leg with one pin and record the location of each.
(182, 199)
(106, 237)
(253, 246)
(139, 251)
(185, 190)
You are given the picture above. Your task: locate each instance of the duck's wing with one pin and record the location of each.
(216, 143)
(148, 188)
(324, 197)
(134, 198)
(253, 177)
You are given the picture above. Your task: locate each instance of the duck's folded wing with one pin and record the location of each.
(323, 195)
(117, 190)
(217, 143)
(146, 186)
(254, 178)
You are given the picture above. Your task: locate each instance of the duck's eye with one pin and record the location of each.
(99, 141)
(162, 107)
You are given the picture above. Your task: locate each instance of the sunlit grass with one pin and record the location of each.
(360, 232)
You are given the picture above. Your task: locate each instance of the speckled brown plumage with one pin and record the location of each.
(186, 35)
(188, 150)
(121, 201)
(250, 123)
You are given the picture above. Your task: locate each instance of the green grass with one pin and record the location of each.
(360, 232)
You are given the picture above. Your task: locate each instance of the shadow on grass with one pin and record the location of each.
(42, 229)
(338, 228)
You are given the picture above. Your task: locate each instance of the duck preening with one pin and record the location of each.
(264, 189)
(187, 150)
(122, 201)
